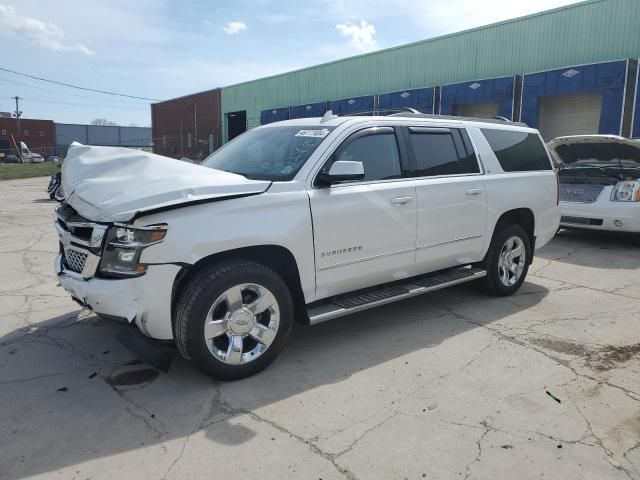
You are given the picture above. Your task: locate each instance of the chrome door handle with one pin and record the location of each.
(474, 191)
(401, 200)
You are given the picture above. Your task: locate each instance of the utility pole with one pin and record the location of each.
(17, 114)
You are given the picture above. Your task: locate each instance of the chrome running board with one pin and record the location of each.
(346, 305)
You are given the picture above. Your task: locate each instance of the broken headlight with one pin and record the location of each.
(627, 191)
(123, 247)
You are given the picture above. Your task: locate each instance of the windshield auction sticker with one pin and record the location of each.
(313, 133)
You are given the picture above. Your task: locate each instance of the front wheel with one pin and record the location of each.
(507, 261)
(233, 319)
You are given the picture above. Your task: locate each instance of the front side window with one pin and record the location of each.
(518, 151)
(271, 153)
(378, 154)
(441, 152)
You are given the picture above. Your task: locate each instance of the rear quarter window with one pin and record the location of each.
(518, 151)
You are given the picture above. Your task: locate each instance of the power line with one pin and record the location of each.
(94, 105)
(76, 86)
(124, 102)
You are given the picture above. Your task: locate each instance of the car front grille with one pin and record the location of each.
(75, 259)
(580, 193)
(80, 241)
(581, 220)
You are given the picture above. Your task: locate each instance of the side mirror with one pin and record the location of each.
(341, 171)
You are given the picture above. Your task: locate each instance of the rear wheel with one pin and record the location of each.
(233, 319)
(507, 261)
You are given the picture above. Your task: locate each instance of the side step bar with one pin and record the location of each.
(344, 305)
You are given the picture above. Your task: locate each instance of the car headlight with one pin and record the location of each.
(123, 247)
(627, 191)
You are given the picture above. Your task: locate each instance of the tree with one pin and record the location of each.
(103, 122)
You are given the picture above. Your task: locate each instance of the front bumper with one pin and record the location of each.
(602, 215)
(145, 300)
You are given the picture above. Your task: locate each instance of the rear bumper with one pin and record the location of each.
(602, 215)
(145, 300)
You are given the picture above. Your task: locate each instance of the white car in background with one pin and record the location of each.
(599, 182)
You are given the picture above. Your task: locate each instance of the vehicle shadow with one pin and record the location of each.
(43, 200)
(60, 410)
(590, 248)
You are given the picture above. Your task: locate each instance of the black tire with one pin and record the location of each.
(198, 297)
(58, 194)
(492, 282)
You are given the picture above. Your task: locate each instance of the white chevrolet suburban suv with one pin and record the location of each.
(307, 219)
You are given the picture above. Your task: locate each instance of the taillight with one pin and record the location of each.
(557, 187)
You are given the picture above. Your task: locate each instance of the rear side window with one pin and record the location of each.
(378, 154)
(439, 151)
(518, 151)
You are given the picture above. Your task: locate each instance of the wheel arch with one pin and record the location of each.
(519, 216)
(276, 257)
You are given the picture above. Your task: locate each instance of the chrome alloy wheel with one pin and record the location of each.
(512, 260)
(242, 323)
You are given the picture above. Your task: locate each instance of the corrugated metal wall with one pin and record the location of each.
(593, 31)
(67, 133)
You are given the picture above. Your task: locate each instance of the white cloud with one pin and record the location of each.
(233, 28)
(361, 35)
(45, 34)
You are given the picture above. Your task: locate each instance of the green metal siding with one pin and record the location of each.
(588, 32)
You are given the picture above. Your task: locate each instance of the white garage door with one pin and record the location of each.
(561, 115)
(477, 110)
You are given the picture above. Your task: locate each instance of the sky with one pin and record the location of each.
(160, 49)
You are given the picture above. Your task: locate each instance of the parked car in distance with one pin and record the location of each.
(599, 182)
(308, 219)
(11, 158)
(53, 158)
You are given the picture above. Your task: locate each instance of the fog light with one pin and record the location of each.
(618, 223)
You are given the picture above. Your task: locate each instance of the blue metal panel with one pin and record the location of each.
(67, 133)
(135, 136)
(499, 90)
(309, 110)
(419, 98)
(352, 105)
(636, 109)
(274, 115)
(607, 78)
(101, 135)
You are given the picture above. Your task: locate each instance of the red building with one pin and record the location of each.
(39, 135)
(187, 126)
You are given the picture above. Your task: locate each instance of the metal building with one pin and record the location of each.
(586, 34)
(133, 137)
(187, 126)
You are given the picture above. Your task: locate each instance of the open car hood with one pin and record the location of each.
(114, 184)
(596, 148)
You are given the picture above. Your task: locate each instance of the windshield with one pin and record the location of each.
(274, 153)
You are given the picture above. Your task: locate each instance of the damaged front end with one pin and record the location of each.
(99, 266)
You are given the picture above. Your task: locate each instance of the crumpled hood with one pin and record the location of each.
(601, 148)
(114, 184)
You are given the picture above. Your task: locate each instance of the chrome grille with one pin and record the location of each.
(579, 193)
(75, 259)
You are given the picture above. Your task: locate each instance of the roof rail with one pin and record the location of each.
(380, 111)
(413, 113)
(499, 120)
